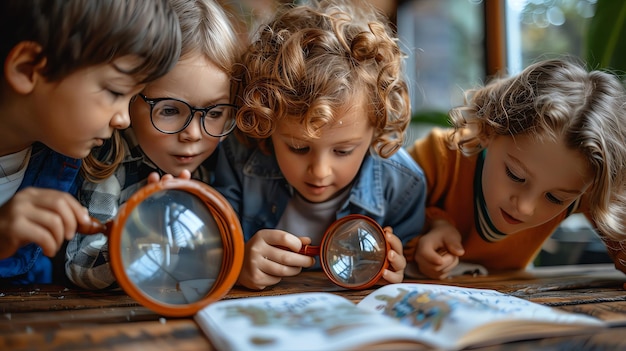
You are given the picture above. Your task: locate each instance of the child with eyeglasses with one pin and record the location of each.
(177, 122)
(326, 105)
(70, 68)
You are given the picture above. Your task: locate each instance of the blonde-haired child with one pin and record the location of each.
(177, 123)
(526, 151)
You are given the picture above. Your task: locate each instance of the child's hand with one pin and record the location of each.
(438, 251)
(45, 217)
(397, 262)
(154, 177)
(270, 255)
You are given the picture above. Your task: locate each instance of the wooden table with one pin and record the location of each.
(57, 318)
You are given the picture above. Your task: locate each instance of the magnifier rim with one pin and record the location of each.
(225, 217)
(324, 248)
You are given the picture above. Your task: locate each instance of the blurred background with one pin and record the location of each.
(454, 45)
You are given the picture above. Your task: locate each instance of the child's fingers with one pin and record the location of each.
(281, 238)
(453, 245)
(260, 270)
(153, 177)
(393, 240)
(393, 277)
(70, 212)
(286, 257)
(283, 247)
(395, 256)
(32, 232)
(277, 269)
(252, 274)
(396, 261)
(438, 271)
(46, 215)
(185, 174)
(253, 278)
(451, 262)
(429, 255)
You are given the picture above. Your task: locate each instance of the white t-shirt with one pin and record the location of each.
(12, 169)
(304, 218)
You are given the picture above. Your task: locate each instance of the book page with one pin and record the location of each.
(305, 321)
(445, 316)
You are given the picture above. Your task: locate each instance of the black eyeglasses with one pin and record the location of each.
(171, 116)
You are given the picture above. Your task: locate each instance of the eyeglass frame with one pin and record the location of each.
(204, 110)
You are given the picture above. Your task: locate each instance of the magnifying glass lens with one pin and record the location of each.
(354, 253)
(172, 249)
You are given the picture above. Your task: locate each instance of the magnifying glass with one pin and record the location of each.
(175, 246)
(353, 252)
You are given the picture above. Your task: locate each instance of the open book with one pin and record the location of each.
(444, 317)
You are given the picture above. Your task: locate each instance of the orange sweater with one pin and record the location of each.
(450, 189)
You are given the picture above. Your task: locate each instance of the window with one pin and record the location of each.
(445, 43)
(542, 28)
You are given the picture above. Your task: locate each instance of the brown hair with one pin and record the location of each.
(75, 34)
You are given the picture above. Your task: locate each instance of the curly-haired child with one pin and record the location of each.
(326, 104)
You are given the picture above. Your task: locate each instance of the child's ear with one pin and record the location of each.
(485, 140)
(22, 65)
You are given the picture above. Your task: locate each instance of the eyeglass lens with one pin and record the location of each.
(173, 116)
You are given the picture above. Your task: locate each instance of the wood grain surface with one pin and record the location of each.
(49, 317)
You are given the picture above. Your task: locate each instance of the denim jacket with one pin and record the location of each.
(46, 169)
(391, 191)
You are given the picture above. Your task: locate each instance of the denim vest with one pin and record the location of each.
(391, 191)
(46, 169)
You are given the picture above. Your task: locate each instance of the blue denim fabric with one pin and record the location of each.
(46, 169)
(391, 191)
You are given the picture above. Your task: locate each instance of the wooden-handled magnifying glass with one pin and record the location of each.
(175, 246)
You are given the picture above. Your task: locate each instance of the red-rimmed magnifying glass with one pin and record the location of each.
(175, 246)
(353, 252)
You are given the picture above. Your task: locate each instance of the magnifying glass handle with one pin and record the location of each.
(308, 250)
(94, 227)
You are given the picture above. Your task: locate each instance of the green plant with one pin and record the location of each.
(435, 117)
(606, 36)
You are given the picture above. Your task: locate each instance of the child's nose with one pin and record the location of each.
(121, 119)
(320, 167)
(194, 130)
(526, 204)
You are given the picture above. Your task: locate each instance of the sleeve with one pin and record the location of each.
(87, 256)
(437, 161)
(87, 262)
(407, 210)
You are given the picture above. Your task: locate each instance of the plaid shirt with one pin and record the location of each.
(87, 256)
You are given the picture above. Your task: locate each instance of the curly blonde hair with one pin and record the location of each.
(312, 60)
(558, 99)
